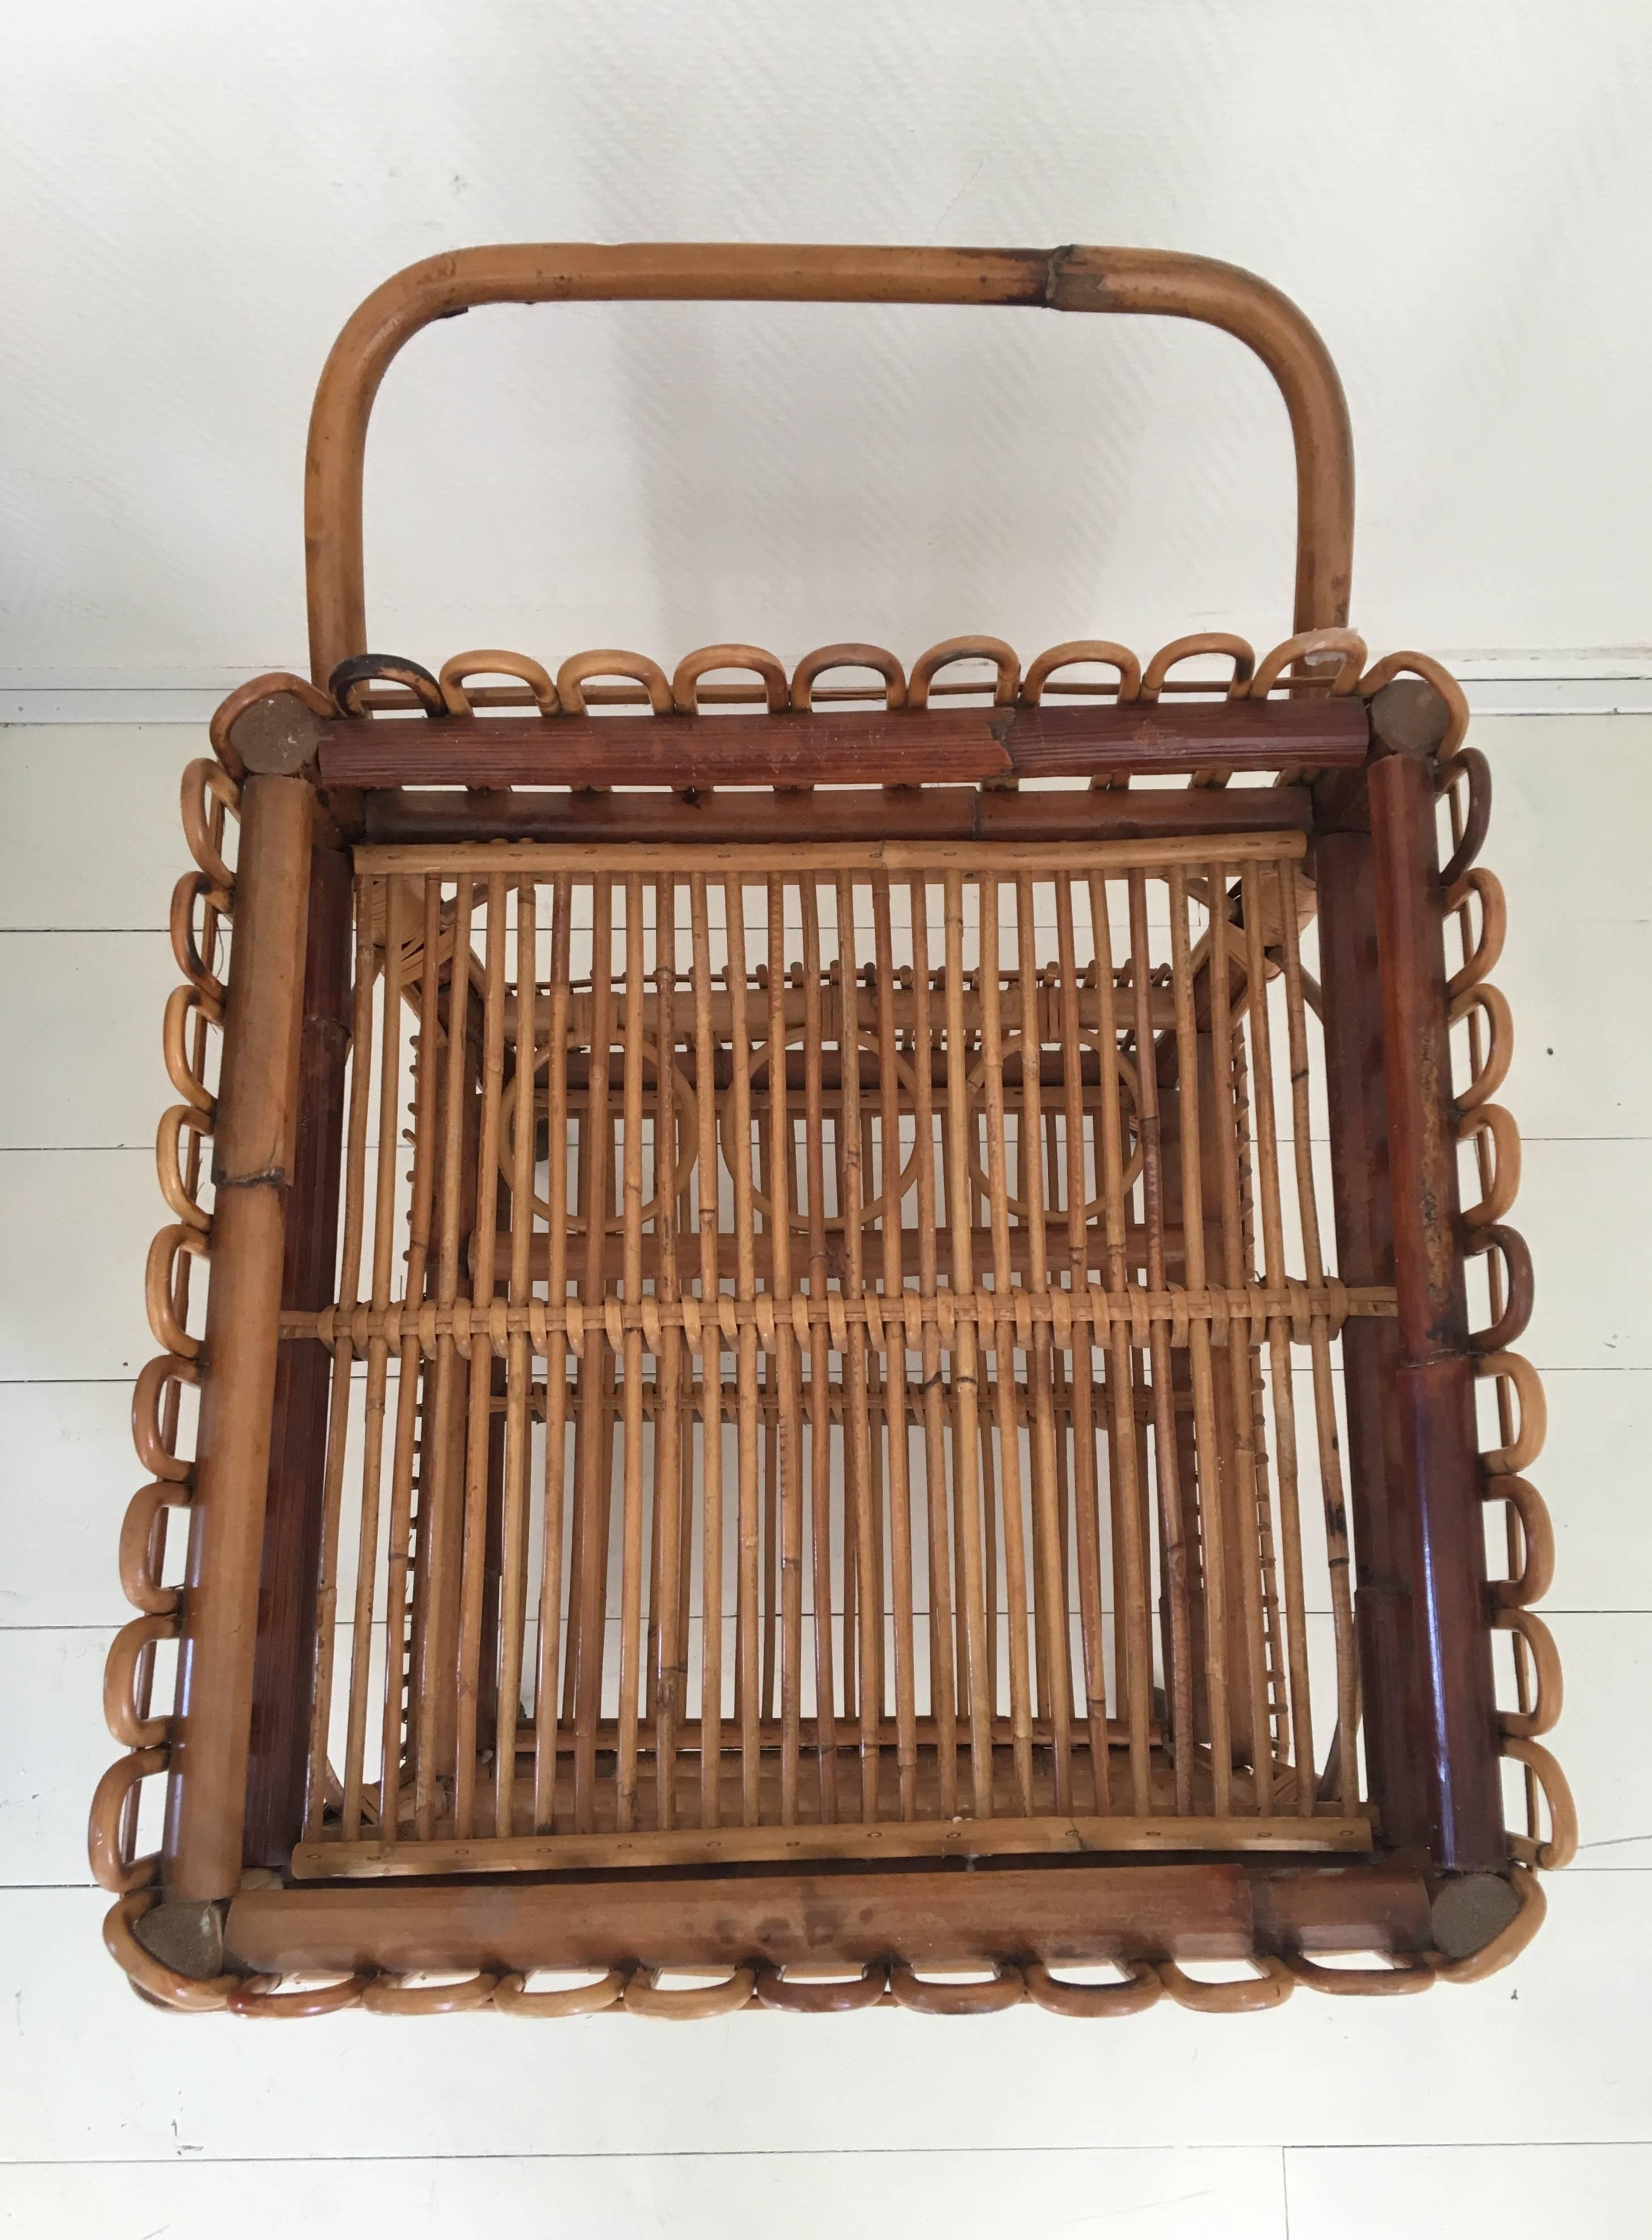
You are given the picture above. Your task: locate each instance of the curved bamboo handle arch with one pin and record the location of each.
(1070, 279)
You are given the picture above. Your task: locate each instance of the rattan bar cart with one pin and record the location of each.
(837, 1366)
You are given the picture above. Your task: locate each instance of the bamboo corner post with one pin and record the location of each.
(255, 1132)
(1433, 1378)
(769, 1393)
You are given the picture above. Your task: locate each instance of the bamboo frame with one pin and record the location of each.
(804, 1433)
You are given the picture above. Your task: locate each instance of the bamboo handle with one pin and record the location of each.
(1070, 279)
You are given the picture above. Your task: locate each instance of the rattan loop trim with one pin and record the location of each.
(152, 1379)
(928, 664)
(194, 887)
(260, 1998)
(824, 657)
(843, 1996)
(611, 661)
(1494, 927)
(1496, 1123)
(1076, 650)
(494, 661)
(511, 1996)
(205, 781)
(136, 1639)
(1312, 650)
(1242, 655)
(179, 1005)
(1141, 1989)
(1527, 1443)
(158, 1283)
(1414, 1974)
(393, 1995)
(1270, 1986)
(168, 1167)
(1550, 1690)
(924, 1996)
(138, 1551)
(643, 1995)
(1500, 1028)
(1561, 1846)
(1536, 1573)
(685, 697)
(110, 1867)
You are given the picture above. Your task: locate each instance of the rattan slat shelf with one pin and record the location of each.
(837, 1352)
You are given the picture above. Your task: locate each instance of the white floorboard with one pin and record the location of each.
(1118, 2194)
(1517, 2193)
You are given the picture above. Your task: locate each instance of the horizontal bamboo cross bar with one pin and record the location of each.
(1069, 859)
(862, 1840)
(914, 746)
(1071, 1911)
(391, 817)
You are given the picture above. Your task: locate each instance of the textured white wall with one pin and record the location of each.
(192, 198)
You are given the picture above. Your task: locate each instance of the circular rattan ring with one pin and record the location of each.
(512, 1996)
(687, 1110)
(260, 1998)
(840, 1995)
(1003, 1989)
(975, 1089)
(727, 1136)
(1270, 1986)
(1139, 1990)
(393, 1995)
(644, 1996)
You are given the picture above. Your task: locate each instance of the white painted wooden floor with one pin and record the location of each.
(1521, 2107)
